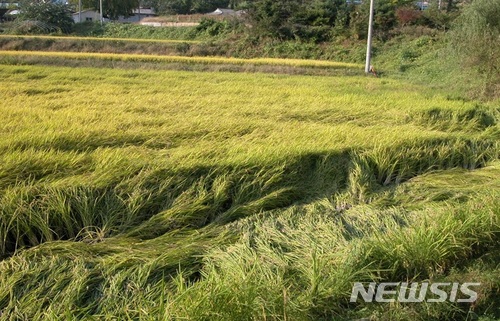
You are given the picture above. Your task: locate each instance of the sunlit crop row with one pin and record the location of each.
(182, 59)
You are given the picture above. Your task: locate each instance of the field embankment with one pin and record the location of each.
(143, 194)
(110, 39)
(103, 45)
(290, 66)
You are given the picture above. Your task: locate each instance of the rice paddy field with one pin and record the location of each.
(182, 59)
(142, 194)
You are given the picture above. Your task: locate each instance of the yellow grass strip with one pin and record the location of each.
(99, 39)
(183, 59)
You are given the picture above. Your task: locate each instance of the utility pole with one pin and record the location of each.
(100, 10)
(369, 41)
(139, 10)
(80, 11)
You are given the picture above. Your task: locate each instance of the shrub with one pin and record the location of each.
(407, 15)
(475, 39)
(213, 28)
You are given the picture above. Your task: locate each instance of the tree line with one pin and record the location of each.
(115, 8)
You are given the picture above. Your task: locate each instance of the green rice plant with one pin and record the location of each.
(445, 185)
(308, 253)
(431, 247)
(476, 118)
(141, 194)
(393, 164)
(299, 263)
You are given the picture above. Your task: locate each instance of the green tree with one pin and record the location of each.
(53, 15)
(115, 8)
(315, 19)
(204, 6)
(476, 39)
(271, 18)
(185, 6)
(86, 4)
(385, 18)
(169, 6)
(310, 20)
(110, 8)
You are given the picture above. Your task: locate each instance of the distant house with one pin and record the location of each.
(92, 15)
(226, 12)
(138, 15)
(11, 15)
(146, 12)
(7, 11)
(422, 5)
(87, 15)
(13, 12)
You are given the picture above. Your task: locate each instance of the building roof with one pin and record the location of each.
(13, 12)
(145, 11)
(222, 12)
(85, 10)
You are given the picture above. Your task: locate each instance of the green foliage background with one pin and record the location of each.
(53, 15)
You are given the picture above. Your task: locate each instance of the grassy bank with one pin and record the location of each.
(104, 45)
(422, 59)
(107, 30)
(187, 60)
(111, 39)
(146, 195)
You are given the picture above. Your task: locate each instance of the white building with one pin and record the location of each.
(87, 15)
(92, 15)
